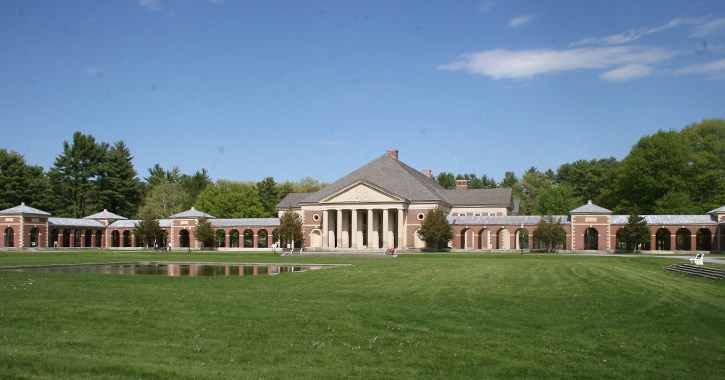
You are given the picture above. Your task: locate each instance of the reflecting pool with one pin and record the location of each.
(172, 269)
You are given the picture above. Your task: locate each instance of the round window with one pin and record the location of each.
(316, 217)
(421, 216)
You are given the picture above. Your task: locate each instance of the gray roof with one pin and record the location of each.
(191, 214)
(717, 210)
(245, 222)
(105, 214)
(73, 222)
(164, 223)
(292, 199)
(590, 208)
(668, 219)
(478, 197)
(527, 220)
(395, 177)
(128, 223)
(390, 175)
(23, 209)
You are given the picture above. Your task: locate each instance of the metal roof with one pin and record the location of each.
(128, 223)
(73, 222)
(590, 208)
(191, 214)
(23, 209)
(717, 210)
(527, 220)
(105, 214)
(668, 219)
(245, 222)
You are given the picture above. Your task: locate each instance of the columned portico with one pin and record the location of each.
(363, 227)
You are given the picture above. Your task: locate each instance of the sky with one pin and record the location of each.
(290, 89)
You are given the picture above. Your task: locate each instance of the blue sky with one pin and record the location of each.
(318, 88)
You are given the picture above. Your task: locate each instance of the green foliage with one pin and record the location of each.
(195, 184)
(74, 173)
(533, 183)
(549, 232)
(119, 190)
(204, 233)
(268, 196)
(164, 200)
(290, 228)
(636, 231)
(706, 141)
(447, 180)
(149, 231)
(586, 178)
(557, 200)
(435, 229)
(20, 182)
(229, 199)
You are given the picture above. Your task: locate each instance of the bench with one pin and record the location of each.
(698, 260)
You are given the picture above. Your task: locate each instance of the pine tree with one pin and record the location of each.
(119, 189)
(636, 231)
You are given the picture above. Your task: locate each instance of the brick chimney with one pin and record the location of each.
(427, 173)
(461, 184)
(392, 153)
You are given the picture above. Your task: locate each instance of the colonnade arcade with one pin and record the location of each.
(360, 228)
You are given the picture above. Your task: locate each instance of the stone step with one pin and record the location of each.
(696, 270)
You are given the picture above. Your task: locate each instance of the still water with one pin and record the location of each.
(171, 269)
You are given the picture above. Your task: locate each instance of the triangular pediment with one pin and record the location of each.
(362, 192)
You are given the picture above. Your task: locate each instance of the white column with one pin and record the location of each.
(345, 230)
(353, 229)
(325, 228)
(370, 228)
(401, 230)
(338, 230)
(386, 228)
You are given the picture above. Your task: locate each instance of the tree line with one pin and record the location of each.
(89, 176)
(669, 172)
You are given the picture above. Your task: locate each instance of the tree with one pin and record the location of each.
(290, 228)
(195, 184)
(149, 231)
(586, 178)
(164, 200)
(447, 180)
(557, 200)
(20, 182)
(533, 182)
(119, 190)
(74, 173)
(203, 232)
(435, 230)
(229, 199)
(268, 196)
(636, 231)
(549, 232)
(706, 141)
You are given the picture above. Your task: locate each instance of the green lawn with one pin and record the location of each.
(449, 316)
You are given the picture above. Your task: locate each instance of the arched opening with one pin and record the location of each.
(504, 239)
(221, 240)
(54, 237)
(683, 240)
(127, 238)
(703, 239)
(248, 239)
(115, 239)
(88, 238)
(34, 237)
(234, 239)
(522, 238)
(465, 239)
(77, 238)
(9, 237)
(66, 238)
(621, 244)
(99, 238)
(262, 239)
(662, 240)
(484, 239)
(591, 239)
(184, 239)
(316, 239)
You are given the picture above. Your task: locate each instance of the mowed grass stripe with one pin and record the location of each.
(427, 316)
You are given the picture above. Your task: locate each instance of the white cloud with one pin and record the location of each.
(501, 63)
(627, 72)
(154, 5)
(707, 27)
(521, 20)
(715, 68)
(632, 35)
(485, 5)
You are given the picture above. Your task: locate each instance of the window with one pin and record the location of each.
(316, 217)
(421, 216)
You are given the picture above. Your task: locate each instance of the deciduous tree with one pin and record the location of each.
(549, 232)
(435, 229)
(204, 233)
(290, 228)
(229, 199)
